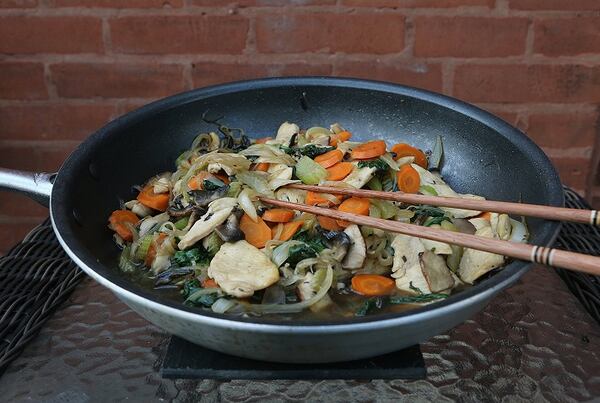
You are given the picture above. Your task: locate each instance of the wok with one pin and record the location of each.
(483, 155)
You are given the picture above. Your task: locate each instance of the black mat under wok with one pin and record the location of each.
(187, 360)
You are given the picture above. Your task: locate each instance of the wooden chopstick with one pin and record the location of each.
(533, 253)
(530, 210)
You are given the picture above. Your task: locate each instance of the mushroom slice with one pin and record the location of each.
(475, 263)
(358, 250)
(217, 213)
(286, 132)
(230, 230)
(406, 268)
(437, 274)
(442, 189)
(359, 177)
(240, 269)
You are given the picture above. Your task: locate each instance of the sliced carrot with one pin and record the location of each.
(278, 215)
(263, 166)
(373, 285)
(316, 199)
(209, 283)
(330, 158)
(222, 176)
(340, 137)
(263, 140)
(289, 230)
(117, 221)
(406, 150)
(486, 215)
(157, 201)
(408, 179)
(354, 205)
(151, 254)
(329, 224)
(256, 233)
(371, 149)
(339, 171)
(196, 182)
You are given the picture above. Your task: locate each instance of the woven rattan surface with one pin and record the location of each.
(534, 342)
(36, 276)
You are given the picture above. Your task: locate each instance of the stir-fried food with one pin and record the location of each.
(202, 230)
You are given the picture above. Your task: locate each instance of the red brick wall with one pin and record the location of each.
(69, 66)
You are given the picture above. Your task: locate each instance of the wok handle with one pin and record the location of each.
(38, 186)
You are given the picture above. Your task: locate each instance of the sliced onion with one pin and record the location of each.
(278, 231)
(282, 252)
(405, 160)
(387, 158)
(297, 307)
(222, 305)
(519, 231)
(276, 183)
(257, 181)
(247, 205)
(436, 155)
(148, 223)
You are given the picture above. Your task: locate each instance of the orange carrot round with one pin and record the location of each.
(196, 182)
(117, 221)
(339, 171)
(330, 158)
(278, 215)
(315, 199)
(256, 233)
(372, 285)
(289, 230)
(371, 149)
(340, 137)
(408, 179)
(222, 176)
(157, 201)
(354, 205)
(261, 166)
(328, 223)
(406, 150)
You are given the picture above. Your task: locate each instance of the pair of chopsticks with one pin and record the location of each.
(533, 253)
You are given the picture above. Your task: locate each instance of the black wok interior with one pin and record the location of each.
(483, 155)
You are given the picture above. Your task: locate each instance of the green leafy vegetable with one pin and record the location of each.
(197, 255)
(213, 243)
(310, 247)
(309, 150)
(144, 245)
(435, 220)
(189, 287)
(428, 190)
(412, 299)
(370, 305)
(182, 223)
(125, 263)
(377, 163)
(309, 172)
(212, 184)
(375, 184)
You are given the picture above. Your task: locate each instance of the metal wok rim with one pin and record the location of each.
(121, 286)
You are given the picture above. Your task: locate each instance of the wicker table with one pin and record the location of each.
(534, 342)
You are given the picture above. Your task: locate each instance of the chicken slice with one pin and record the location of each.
(358, 250)
(217, 213)
(285, 133)
(475, 263)
(406, 268)
(359, 177)
(240, 269)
